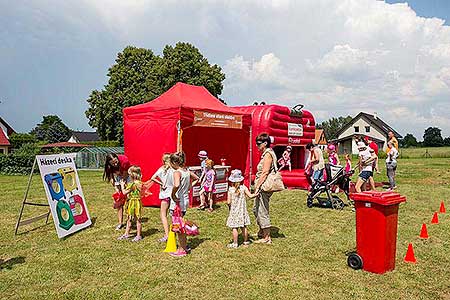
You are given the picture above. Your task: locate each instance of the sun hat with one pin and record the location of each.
(203, 154)
(236, 176)
(361, 145)
(331, 147)
(289, 148)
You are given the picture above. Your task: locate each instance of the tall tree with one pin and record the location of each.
(51, 129)
(140, 76)
(408, 141)
(432, 137)
(333, 125)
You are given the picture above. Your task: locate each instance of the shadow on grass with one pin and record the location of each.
(9, 263)
(275, 233)
(195, 242)
(149, 232)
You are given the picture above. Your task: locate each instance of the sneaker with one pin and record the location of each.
(178, 253)
(188, 249)
(123, 237)
(119, 226)
(232, 246)
(246, 243)
(163, 239)
(137, 238)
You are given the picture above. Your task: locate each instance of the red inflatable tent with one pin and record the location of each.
(288, 126)
(187, 118)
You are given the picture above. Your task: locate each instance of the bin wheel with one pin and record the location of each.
(354, 261)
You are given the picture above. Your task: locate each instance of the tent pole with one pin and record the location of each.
(251, 158)
(178, 136)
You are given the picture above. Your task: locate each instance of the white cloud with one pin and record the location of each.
(336, 57)
(371, 56)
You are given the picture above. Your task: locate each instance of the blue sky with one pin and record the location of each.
(336, 57)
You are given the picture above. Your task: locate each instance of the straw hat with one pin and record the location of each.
(236, 176)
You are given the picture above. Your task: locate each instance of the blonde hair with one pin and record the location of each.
(166, 160)
(135, 173)
(237, 186)
(209, 163)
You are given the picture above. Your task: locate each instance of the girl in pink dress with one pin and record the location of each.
(207, 186)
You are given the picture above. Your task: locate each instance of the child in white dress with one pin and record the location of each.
(238, 216)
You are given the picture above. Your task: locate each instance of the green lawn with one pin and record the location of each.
(434, 152)
(306, 261)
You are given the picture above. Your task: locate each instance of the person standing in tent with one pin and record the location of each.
(261, 207)
(116, 170)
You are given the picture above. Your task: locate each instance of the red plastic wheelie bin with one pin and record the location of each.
(376, 231)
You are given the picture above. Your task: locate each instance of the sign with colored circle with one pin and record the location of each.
(64, 194)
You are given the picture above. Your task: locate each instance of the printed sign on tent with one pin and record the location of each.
(213, 119)
(64, 193)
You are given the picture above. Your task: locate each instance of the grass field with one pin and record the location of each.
(306, 261)
(434, 152)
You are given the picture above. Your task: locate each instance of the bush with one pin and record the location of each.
(20, 161)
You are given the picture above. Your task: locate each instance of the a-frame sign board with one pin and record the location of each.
(65, 196)
(25, 202)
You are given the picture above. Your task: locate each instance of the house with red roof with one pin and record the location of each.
(5, 133)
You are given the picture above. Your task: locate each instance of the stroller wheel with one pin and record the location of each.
(337, 203)
(354, 261)
(309, 202)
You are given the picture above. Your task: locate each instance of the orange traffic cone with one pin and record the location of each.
(442, 208)
(410, 254)
(435, 219)
(424, 232)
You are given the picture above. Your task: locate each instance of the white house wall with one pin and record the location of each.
(362, 123)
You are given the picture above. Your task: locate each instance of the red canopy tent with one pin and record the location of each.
(187, 118)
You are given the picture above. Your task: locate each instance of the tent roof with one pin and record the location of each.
(183, 95)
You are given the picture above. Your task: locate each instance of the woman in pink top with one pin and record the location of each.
(116, 170)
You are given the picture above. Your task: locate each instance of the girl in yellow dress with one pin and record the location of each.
(134, 204)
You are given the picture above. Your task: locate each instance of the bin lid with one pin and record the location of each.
(382, 198)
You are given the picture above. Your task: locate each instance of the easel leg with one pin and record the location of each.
(25, 197)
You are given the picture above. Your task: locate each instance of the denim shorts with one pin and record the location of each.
(318, 174)
(365, 175)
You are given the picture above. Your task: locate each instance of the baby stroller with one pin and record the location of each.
(336, 177)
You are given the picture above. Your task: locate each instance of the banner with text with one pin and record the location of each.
(213, 119)
(64, 193)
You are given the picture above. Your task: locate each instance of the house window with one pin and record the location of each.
(356, 128)
(2, 151)
(367, 128)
